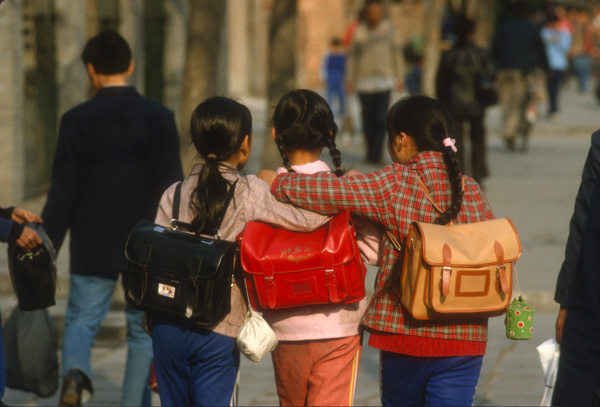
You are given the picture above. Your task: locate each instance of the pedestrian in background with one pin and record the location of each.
(583, 50)
(517, 49)
(457, 81)
(557, 42)
(374, 70)
(115, 155)
(333, 73)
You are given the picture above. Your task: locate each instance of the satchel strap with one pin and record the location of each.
(175, 223)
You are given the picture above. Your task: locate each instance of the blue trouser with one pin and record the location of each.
(582, 67)
(336, 91)
(428, 381)
(89, 300)
(374, 109)
(194, 366)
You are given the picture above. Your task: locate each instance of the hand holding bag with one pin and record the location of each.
(286, 269)
(256, 338)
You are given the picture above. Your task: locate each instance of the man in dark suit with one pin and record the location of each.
(578, 377)
(115, 155)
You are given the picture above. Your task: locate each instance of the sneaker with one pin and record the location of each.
(76, 389)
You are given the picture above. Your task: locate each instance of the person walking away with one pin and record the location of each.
(430, 363)
(517, 50)
(317, 359)
(334, 74)
(115, 155)
(198, 365)
(456, 86)
(558, 43)
(583, 51)
(374, 70)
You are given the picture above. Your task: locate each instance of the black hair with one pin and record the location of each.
(108, 53)
(428, 122)
(463, 28)
(304, 121)
(218, 128)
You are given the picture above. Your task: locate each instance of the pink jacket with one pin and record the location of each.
(327, 321)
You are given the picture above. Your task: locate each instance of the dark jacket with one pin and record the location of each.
(9, 230)
(517, 44)
(589, 178)
(116, 154)
(578, 376)
(457, 78)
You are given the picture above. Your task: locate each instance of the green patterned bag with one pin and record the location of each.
(519, 320)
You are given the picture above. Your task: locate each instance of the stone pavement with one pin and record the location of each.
(535, 189)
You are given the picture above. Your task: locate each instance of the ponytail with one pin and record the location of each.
(218, 128)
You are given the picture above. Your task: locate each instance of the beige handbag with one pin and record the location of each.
(459, 271)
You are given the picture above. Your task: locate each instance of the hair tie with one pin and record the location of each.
(211, 156)
(449, 142)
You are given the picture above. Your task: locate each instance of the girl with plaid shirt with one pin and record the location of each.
(317, 359)
(434, 362)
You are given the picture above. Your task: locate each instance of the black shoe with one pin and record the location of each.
(76, 389)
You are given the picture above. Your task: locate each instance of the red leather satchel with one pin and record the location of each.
(286, 269)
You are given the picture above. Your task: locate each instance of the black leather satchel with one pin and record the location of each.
(33, 272)
(188, 276)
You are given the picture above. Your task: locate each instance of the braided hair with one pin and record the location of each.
(304, 121)
(428, 122)
(219, 126)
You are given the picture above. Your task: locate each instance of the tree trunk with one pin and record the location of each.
(281, 66)
(202, 76)
(432, 39)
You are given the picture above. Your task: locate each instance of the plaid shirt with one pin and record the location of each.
(394, 198)
(252, 201)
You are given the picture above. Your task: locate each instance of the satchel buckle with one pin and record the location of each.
(269, 281)
(447, 269)
(173, 224)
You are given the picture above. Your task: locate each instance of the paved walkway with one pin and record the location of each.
(535, 189)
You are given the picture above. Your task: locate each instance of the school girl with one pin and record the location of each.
(317, 359)
(434, 362)
(198, 366)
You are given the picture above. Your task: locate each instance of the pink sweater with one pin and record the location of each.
(327, 321)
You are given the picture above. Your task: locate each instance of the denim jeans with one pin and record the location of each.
(89, 302)
(428, 381)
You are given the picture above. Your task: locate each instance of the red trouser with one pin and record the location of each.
(317, 373)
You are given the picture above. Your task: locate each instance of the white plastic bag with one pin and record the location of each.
(256, 338)
(549, 354)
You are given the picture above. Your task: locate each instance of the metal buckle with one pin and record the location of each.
(269, 281)
(448, 269)
(171, 223)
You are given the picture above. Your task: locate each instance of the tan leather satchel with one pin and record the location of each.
(459, 271)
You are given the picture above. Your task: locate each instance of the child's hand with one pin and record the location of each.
(267, 176)
(352, 173)
(23, 216)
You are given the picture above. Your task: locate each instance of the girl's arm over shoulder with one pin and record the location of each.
(260, 205)
(370, 195)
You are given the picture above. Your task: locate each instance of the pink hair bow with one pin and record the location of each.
(449, 142)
